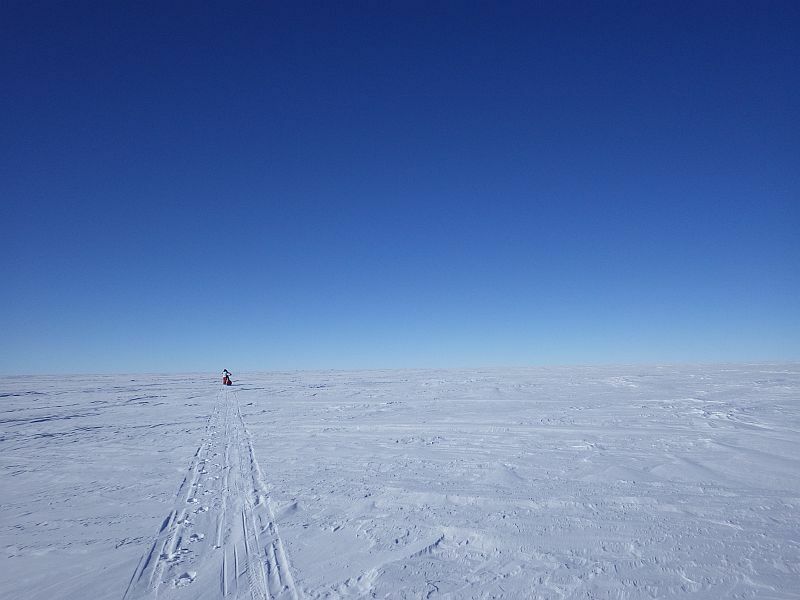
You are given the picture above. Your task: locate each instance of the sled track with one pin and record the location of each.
(220, 539)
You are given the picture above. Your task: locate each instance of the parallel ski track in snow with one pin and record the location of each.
(220, 539)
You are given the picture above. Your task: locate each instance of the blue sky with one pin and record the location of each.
(191, 185)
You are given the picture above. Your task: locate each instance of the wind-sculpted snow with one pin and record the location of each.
(623, 482)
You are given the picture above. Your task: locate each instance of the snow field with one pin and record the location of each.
(614, 482)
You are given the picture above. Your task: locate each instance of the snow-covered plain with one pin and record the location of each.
(614, 482)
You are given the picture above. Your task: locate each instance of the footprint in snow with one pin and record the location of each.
(196, 537)
(185, 579)
(174, 558)
(202, 509)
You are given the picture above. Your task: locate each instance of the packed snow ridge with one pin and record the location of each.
(613, 482)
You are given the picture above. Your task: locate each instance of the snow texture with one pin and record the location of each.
(614, 482)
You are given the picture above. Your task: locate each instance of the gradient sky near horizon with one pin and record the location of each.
(193, 185)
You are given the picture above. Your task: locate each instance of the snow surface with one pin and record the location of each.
(623, 482)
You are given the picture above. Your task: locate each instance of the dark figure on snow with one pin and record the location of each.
(226, 377)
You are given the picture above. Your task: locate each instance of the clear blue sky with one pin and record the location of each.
(189, 185)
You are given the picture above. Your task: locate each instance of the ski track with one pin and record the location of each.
(220, 538)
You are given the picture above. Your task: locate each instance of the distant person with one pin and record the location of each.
(226, 377)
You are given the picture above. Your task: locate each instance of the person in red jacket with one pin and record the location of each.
(226, 377)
